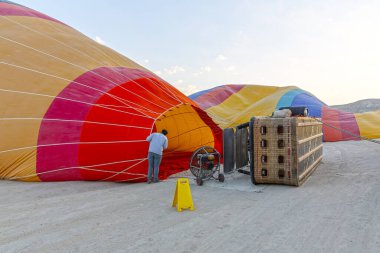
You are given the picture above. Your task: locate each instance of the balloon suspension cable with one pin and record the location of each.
(81, 52)
(347, 132)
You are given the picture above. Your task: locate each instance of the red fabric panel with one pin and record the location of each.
(105, 133)
(331, 117)
(340, 120)
(60, 132)
(349, 125)
(148, 97)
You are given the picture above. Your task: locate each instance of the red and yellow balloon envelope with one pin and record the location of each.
(72, 109)
(231, 105)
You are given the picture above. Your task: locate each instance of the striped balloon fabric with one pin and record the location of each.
(231, 105)
(73, 109)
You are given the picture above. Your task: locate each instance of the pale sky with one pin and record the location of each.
(329, 48)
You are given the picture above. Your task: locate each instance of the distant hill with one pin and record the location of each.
(365, 105)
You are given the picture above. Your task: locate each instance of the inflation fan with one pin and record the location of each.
(205, 164)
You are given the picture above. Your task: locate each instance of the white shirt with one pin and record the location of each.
(158, 142)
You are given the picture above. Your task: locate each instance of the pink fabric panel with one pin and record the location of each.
(8, 9)
(60, 130)
(217, 95)
(339, 120)
(348, 123)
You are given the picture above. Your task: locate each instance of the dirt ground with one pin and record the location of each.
(336, 210)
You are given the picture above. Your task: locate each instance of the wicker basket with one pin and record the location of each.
(285, 150)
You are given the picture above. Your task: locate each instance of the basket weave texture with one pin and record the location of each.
(286, 150)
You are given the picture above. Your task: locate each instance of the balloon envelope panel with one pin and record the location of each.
(231, 105)
(72, 109)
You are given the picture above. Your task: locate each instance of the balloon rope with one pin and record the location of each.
(78, 121)
(83, 68)
(61, 78)
(203, 144)
(158, 84)
(71, 143)
(197, 146)
(77, 101)
(347, 132)
(81, 52)
(88, 167)
(118, 173)
(42, 73)
(164, 89)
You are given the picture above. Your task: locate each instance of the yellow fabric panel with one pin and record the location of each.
(187, 131)
(263, 107)
(369, 124)
(21, 105)
(36, 44)
(18, 133)
(60, 41)
(240, 100)
(256, 101)
(19, 165)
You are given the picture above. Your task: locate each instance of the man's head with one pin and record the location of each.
(164, 132)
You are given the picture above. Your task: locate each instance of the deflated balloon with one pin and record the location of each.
(73, 109)
(231, 105)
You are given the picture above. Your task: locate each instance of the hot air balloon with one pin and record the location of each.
(73, 109)
(231, 105)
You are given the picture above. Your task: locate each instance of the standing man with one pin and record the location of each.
(158, 142)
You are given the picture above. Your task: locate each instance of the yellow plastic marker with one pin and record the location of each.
(182, 196)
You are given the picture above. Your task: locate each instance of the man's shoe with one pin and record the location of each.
(149, 181)
(157, 181)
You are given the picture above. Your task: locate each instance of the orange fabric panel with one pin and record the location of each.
(187, 131)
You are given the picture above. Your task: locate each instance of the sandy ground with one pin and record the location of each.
(336, 210)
